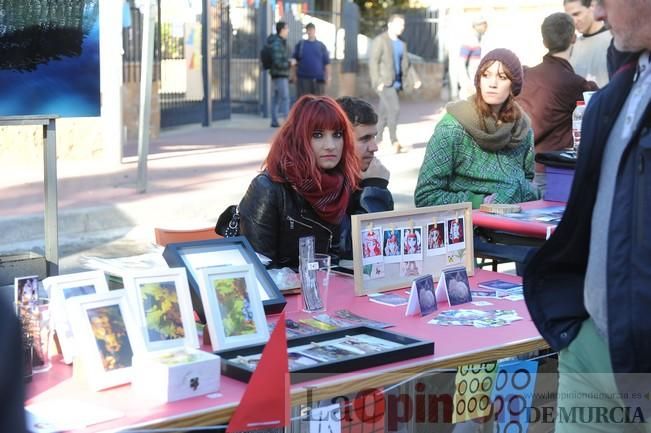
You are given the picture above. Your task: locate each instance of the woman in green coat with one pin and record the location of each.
(482, 149)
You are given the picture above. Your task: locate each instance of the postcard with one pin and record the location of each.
(360, 320)
(411, 268)
(318, 325)
(499, 285)
(298, 360)
(389, 299)
(457, 287)
(327, 352)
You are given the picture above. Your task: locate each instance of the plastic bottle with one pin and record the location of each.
(577, 118)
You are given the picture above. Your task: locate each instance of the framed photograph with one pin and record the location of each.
(107, 337)
(415, 242)
(62, 288)
(330, 352)
(234, 313)
(235, 251)
(163, 308)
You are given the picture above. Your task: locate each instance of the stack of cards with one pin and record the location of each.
(389, 299)
(476, 318)
(498, 289)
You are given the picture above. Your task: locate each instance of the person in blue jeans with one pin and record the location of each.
(313, 64)
(279, 71)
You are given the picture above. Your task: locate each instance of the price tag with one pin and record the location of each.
(313, 266)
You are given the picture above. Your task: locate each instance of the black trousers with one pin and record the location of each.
(309, 86)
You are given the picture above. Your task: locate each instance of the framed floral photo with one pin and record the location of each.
(234, 311)
(64, 287)
(161, 302)
(107, 337)
(235, 251)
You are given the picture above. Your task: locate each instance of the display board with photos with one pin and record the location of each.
(391, 249)
(332, 352)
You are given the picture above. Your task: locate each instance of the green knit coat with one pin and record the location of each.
(456, 169)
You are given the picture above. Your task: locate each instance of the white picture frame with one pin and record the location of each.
(64, 287)
(173, 328)
(107, 337)
(226, 333)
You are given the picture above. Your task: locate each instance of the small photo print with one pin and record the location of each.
(250, 362)
(372, 246)
(235, 307)
(458, 287)
(162, 311)
(354, 344)
(426, 297)
(111, 337)
(298, 360)
(377, 342)
(411, 268)
(412, 243)
(436, 239)
(327, 352)
(373, 271)
(24, 289)
(391, 242)
(456, 240)
(71, 292)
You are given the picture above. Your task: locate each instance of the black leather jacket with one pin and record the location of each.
(273, 216)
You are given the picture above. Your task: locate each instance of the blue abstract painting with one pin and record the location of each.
(49, 58)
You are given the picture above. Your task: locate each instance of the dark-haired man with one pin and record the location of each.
(373, 194)
(551, 89)
(588, 57)
(279, 71)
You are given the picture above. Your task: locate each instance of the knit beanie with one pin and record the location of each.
(510, 62)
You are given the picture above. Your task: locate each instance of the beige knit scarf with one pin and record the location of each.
(495, 137)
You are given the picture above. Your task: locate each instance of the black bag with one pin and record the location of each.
(228, 223)
(266, 56)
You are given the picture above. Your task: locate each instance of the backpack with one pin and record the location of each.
(266, 56)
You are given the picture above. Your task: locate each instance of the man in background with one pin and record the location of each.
(373, 194)
(588, 56)
(312, 64)
(469, 57)
(391, 72)
(279, 72)
(551, 90)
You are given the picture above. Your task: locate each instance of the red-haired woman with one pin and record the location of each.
(307, 179)
(482, 149)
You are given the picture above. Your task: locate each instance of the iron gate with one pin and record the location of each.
(193, 45)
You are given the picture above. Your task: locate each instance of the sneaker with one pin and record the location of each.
(397, 147)
(274, 125)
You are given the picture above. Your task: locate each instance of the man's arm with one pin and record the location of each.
(374, 63)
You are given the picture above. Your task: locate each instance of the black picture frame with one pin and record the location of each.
(410, 348)
(181, 255)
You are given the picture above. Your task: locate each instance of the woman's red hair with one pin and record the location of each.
(291, 157)
(509, 113)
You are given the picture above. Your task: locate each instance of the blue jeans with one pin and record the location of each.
(279, 98)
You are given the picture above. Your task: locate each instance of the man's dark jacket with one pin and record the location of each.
(549, 97)
(553, 282)
(373, 195)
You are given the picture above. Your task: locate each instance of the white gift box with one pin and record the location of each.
(175, 375)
